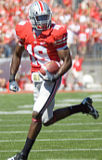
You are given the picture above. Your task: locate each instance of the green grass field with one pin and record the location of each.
(78, 137)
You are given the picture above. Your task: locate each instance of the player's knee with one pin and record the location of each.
(36, 117)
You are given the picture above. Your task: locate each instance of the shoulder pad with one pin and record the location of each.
(22, 29)
(59, 31)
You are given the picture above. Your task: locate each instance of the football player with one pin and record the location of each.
(44, 41)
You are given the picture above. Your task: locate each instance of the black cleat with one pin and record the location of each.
(88, 108)
(18, 156)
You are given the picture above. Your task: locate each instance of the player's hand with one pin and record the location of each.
(13, 86)
(49, 76)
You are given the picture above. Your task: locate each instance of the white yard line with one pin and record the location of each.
(57, 124)
(59, 104)
(19, 120)
(70, 131)
(58, 150)
(71, 159)
(52, 131)
(53, 140)
(78, 124)
(16, 112)
(78, 100)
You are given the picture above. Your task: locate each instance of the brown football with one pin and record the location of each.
(51, 66)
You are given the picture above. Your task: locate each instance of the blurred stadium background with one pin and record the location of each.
(84, 22)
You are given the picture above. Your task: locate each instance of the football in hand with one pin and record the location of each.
(51, 66)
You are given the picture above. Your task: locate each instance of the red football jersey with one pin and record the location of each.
(42, 48)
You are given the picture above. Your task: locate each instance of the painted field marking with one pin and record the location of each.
(16, 112)
(75, 124)
(78, 100)
(19, 120)
(51, 131)
(59, 103)
(53, 140)
(57, 150)
(71, 159)
(57, 124)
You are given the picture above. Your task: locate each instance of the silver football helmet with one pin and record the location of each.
(40, 15)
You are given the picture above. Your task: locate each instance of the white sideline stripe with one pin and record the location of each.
(57, 150)
(53, 140)
(51, 131)
(57, 124)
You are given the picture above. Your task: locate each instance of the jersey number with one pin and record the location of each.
(39, 53)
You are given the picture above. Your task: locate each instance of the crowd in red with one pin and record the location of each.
(84, 23)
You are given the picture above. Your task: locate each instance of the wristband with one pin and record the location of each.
(12, 78)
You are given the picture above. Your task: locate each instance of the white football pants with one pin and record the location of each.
(44, 98)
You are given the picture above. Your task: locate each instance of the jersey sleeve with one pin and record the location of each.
(20, 32)
(24, 33)
(60, 37)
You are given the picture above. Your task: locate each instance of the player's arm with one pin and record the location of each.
(16, 60)
(65, 56)
(63, 51)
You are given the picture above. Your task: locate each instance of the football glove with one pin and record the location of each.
(49, 76)
(13, 86)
